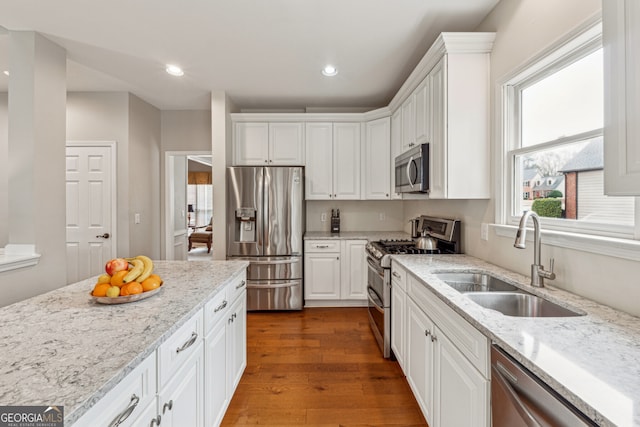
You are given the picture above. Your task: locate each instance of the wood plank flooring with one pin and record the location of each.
(319, 367)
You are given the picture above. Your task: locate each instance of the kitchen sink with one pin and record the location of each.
(476, 282)
(520, 304)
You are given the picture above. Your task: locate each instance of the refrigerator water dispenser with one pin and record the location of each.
(245, 225)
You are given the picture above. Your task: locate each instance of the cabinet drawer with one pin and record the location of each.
(237, 288)
(398, 276)
(322, 245)
(127, 401)
(176, 350)
(215, 309)
(471, 342)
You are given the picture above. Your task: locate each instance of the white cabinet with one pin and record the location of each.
(225, 349)
(273, 144)
(408, 123)
(181, 400)
(459, 142)
(335, 273)
(132, 401)
(621, 40)
(377, 152)
(445, 359)
(416, 112)
(333, 161)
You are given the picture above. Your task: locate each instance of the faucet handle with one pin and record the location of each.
(552, 262)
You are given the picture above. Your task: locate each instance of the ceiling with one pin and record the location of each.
(265, 54)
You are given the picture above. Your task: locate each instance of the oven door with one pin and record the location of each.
(378, 306)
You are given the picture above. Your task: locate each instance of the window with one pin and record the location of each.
(553, 140)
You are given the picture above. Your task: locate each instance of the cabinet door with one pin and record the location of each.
(322, 276)
(354, 270)
(621, 40)
(438, 143)
(236, 342)
(376, 163)
(461, 395)
(215, 371)
(396, 150)
(423, 111)
(181, 401)
(251, 144)
(319, 161)
(420, 357)
(346, 161)
(409, 123)
(398, 314)
(286, 144)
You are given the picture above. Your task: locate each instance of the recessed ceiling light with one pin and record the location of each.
(329, 71)
(6, 72)
(174, 70)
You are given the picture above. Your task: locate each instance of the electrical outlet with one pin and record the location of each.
(323, 217)
(382, 216)
(484, 231)
(136, 218)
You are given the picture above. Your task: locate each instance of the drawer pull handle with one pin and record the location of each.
(394, 274)
(241, 284)
(122, 416)
(220, 307)
(322, 246)
(194, 337)
(155, 421)
(168, 406)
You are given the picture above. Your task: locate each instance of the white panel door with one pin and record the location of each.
(438, 144)
(322, 276)
(376, 162)
(251, 144)
(318, 179)
(90, 206)
(354, 275)
(419, 357)
(396, 149)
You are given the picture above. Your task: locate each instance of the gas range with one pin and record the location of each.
(445, 231)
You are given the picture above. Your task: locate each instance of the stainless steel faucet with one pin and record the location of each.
(538, 273)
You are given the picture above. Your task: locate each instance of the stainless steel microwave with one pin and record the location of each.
(412, 170)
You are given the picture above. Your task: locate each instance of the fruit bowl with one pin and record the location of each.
(126, 298)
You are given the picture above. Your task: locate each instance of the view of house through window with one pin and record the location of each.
(558, 162)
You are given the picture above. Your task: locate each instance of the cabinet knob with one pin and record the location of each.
(434, 338)
(427, 332)
(266, 161)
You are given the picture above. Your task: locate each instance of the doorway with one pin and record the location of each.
(187, 209)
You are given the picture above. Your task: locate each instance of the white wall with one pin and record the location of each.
(144, 178)
(4, 177)
(525, 28)
(356, 215)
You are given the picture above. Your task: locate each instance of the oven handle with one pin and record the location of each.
(374, 301)
(379, 270)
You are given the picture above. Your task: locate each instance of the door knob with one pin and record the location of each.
(104, 236)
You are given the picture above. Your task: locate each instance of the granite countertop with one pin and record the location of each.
(592, 360)
(357, 235)
(61, 348)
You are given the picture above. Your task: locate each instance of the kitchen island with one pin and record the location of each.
(61, 348)
(592, 360)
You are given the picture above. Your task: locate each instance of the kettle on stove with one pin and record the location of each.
(426, 242)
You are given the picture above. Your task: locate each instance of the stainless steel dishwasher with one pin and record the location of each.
(518, 398)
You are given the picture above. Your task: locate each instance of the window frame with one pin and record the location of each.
(618, 241)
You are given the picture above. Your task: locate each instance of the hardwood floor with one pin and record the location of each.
(319, 367)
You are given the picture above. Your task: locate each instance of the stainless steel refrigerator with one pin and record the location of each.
(265, 223)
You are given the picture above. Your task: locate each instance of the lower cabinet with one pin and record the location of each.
(446, 360)
(335, 273)
(189, 380)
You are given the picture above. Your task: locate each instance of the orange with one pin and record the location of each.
(134, 288)
(124, 291)
(155, 277)
(100, 290)
(116, 279)
(151, 283)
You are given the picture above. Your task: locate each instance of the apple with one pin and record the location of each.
(115, 265)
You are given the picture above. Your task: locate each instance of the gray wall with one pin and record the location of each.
(4, 178)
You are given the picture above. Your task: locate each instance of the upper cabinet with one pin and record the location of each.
(268, 144)
(377, 151)
(621, 39)
(448, 108)
(333, 161)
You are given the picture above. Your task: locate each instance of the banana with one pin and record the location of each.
(148, 267)
(135, 271)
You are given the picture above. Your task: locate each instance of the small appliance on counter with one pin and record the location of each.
(415, 227)
(335, 220)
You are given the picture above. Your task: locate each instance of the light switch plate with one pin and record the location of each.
(323, 217)
(484, 231)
